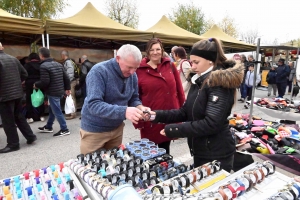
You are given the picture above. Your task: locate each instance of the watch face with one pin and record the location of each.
(152, 182)
(152, 173)
(98, 159)
(131, 163)
(123, 176)
(145, 176)
(138, 161)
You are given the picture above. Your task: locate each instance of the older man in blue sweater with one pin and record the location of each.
(112, 97)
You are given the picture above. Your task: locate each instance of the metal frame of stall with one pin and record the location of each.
(274, 47)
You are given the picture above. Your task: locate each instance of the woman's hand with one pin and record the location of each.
(162, 132)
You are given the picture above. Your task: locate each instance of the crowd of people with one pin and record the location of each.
(280, 77)
(165, 96)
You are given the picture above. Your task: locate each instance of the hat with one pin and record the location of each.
(251, 64)
(281, 60)
(275, 66)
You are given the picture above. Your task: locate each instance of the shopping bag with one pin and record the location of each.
(37, 98)
(69, 105)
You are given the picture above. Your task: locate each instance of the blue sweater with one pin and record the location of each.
(108, 95)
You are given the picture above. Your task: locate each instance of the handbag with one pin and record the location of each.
(37, 98)
(69, 105)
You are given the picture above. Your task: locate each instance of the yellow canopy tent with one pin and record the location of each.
(170, 33)
(19, 30)
(227, 40)
(90, 23)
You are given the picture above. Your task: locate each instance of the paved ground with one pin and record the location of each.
(48, 150)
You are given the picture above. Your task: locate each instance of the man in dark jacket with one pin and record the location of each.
(12, 73)
(283, 72)
(86, 66)
(55, 81)
(271, 80)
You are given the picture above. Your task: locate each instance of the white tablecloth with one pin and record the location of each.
(279, 114)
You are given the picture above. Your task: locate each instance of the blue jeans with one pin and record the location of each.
(243, 90)
(55, 112)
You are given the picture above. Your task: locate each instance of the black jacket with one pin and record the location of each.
(33, 70)
(271, 77)
(54, 80)
(283, 72)
(205, 114)
(12, 73)
(86, 66)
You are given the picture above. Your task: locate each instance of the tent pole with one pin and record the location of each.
(295, 75)
(286, 57)
(254, 81)
(47, 40)
(273, 57)
(43, 40)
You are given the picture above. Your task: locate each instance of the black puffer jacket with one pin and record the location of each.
(33, 70)
(205, 114)
(12, 73)
(54, 79)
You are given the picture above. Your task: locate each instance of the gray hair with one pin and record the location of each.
(173, 48)
(130, 50)
(66, 53)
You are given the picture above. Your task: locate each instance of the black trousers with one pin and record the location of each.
(11, 115)
(31, 112)
(165, 145)
(226, 163)
(281, 89)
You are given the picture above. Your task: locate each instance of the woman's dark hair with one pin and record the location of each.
(180, 52)
(212, 44)
(33, 56)
(151, 43)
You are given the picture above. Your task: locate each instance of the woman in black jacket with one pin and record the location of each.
(208, 105)
(33, 70)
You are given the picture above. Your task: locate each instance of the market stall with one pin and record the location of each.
(89, 28)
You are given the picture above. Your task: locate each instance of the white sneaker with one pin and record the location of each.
(30, 120)
(42, 119)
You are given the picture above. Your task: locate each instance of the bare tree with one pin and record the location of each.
(250, 36)
(123, 11)
(275, 42)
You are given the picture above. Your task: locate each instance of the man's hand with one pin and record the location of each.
(68, 92)
(134, 114)
(162, 132)
(146, 112)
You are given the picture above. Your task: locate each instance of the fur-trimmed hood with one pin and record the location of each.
(230, 75)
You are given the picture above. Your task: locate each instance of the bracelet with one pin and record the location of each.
(217, 165)
(251, 184)
(262, 174)
(194, 177)
(157, 188)
(186, 180)
(295, 185)
(222, 193)
(200, 173)
(254, 174)
(168, 187)
(207, 169)
(104, 191)
(241, 187)
(268, 163)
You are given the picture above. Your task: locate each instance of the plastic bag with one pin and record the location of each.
(37, 98)
(69, 105)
